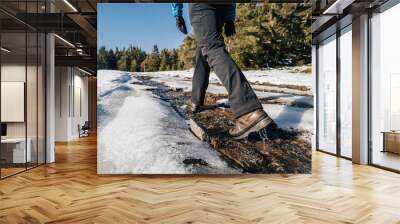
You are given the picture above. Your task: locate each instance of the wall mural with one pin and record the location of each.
(204, 89)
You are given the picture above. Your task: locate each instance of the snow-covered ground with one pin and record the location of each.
(141, 134)
(291, 118)
(144, 135)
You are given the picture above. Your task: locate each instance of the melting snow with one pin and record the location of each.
(145, 135)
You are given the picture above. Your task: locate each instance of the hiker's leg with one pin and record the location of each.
(205, 22)
(200, 78)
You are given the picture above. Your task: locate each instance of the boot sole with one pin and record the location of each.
(257, 127)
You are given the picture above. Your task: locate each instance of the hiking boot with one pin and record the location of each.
(249, 123)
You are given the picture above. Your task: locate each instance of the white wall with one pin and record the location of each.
(62, 81)
(70, 83)
(14, 73)
(81, 89)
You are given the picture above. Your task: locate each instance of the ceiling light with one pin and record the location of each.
(70, 5)
(86, 72)
(337, 7)
(64, 40)
(5, 50)
(79, 51)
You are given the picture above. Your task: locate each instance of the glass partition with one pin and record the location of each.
(14, 153)
(22, 77)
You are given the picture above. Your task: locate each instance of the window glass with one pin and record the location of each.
(327, 95)
(385, 88)
(346, 92)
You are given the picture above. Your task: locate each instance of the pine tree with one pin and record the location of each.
(102, 60)
(137, 57)
(152, 61)
(112, 60)
(165, 63)
(186, 52)
(174, 60)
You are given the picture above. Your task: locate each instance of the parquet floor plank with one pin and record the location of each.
(70, 191)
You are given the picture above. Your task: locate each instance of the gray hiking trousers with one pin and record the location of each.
(207, 21)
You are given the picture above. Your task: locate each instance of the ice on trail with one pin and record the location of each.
(285, 76)
(112, 88)
(145, 135)
(280, 77)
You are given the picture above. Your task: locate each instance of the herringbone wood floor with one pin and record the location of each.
(70, 191)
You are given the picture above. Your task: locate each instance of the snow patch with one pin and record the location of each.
(291, 118)
(146, 136)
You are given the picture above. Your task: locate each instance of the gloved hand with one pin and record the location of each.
(180, 24)
(229, 28)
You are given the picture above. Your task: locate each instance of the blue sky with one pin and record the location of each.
(140, 24)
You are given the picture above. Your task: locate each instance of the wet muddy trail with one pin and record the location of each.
(270, 151)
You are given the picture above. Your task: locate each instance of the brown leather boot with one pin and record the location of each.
(250, 122)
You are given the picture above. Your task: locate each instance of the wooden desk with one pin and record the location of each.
(13, 150)
(391, 141)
